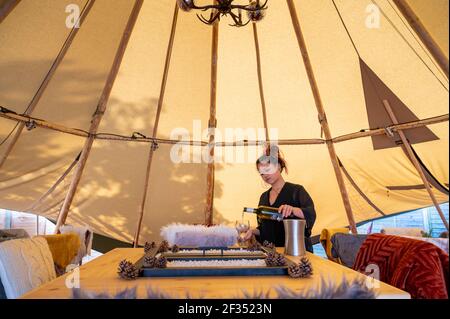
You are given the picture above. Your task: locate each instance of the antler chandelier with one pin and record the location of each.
(255, 11)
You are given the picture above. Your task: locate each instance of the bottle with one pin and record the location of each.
(265, 212)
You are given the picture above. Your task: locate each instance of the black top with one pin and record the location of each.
(293, 195)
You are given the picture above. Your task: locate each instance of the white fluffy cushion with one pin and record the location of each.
(199, 235)
(25, 264)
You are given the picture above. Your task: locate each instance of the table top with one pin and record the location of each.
(100, 275)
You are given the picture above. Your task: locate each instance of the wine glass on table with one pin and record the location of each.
(242, 228)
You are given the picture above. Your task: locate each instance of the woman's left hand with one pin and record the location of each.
(287, 211)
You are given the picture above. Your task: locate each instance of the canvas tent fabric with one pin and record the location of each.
(112, 185)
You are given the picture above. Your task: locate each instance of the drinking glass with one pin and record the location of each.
(242, 228)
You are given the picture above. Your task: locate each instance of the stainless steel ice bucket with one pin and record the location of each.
(294, 240)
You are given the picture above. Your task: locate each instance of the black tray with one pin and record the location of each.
(211, 271)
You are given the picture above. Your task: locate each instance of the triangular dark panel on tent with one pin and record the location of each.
(375, 91)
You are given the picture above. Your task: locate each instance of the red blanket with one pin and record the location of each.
(415, 266)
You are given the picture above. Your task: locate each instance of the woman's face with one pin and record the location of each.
(269, 172)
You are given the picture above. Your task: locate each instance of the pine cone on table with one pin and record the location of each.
(149, 261)
(294, 271)
(268, 244)
(275, 259)
(175, 249)
(164, 247)
(301, 270)
(271, 259)
(280, 260)
(161, 262)
(149, 246)
(306, 267)
(127, 270)
(254, 245)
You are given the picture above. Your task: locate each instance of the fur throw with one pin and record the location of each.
(356, 289)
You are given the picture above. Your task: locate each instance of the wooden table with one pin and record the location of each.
(100, 275)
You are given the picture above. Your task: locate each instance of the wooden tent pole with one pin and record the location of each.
(322, 115)
(97, 117)
(103, 136)
(44, 85)
(7, 7)
(155, 126)
(393, 128)
(260, 81)
(76, 132)
(414, 160)
(212, 124)
(423, 34)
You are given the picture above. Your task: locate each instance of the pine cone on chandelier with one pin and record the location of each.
(149, 261)
(127, 270)
(301, 270)
(256, 15)
(185, 5)
(149, 246)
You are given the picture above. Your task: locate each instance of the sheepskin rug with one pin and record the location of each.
(199, 235)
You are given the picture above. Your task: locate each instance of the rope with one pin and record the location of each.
(52, 189)
(346, 29)
(410, 46)
(398, 32)
(48, 72)
(9, 135)
(416, 38)
(359, 190)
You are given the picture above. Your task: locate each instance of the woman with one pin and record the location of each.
(292, 201)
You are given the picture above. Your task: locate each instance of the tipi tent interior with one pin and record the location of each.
(107, 109)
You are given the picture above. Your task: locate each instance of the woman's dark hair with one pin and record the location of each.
(272, 154)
